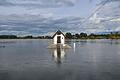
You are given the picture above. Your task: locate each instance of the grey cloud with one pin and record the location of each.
(108, 1)
(37, 25)
(37, 3)
(5, 3)
(40, 24)
(109, 11)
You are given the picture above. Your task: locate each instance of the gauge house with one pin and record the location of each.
(58, 40)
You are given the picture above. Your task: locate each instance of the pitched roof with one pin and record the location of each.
(58, 33)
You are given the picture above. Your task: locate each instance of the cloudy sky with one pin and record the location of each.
(44, 17)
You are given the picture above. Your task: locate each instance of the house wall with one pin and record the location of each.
(62, 39)
(55, 40)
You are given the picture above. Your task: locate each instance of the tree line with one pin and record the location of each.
(24, 37)
(112, 35)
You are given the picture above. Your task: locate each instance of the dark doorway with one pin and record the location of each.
(58, 39)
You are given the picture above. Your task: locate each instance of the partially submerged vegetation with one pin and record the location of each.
(24, 37)
(112, 35)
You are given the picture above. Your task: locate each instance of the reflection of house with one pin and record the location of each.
(59, 55)
(59, 38)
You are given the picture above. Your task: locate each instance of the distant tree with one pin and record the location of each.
(92, 35)
(8, 36)
(28, 37)
(77, 36)
(83, 35)
(68, 35)
(114, 35)
(40, 37)
(48, 37)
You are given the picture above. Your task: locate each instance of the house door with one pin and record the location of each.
(58, 39)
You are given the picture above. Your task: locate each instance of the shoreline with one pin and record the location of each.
(51, 39)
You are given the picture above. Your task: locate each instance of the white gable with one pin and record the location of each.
(62, 39)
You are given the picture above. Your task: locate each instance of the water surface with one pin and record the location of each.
(86, 60)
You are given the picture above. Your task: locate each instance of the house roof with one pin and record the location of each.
(58, 33)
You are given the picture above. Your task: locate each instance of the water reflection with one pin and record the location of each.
(59, 54)
(30, 60)
(112, 42)
(2, 46)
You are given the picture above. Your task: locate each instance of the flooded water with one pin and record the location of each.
(86, 60)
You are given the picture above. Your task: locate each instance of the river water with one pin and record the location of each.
(86, 60)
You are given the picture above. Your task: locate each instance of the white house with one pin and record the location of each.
(59, 38)
(58, 41)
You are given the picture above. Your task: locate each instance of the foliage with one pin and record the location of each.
(112, 35)
(68, 35)
(8, 36)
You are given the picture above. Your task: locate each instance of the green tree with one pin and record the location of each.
(68, 35)
(28, 37)
(77, 36)
(92, 36)
(83, 35)
(8, 37)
